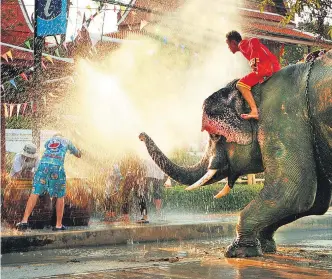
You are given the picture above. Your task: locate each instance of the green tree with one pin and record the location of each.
(317, 11)
(292, 54)
(312, 26)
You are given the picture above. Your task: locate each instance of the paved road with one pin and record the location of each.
(303, 253)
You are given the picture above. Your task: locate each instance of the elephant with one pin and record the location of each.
(291, 143)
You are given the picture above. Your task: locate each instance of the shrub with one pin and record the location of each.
(202, 200)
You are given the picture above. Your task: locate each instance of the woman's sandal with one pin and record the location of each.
(63, 228)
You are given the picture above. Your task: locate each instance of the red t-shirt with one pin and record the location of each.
(267, 61)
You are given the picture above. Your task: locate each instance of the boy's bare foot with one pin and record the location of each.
(223, 192)
(250, 115)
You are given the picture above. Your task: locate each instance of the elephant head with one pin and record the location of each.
(221, 116)
(232, 150)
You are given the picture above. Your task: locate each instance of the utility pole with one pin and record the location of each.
(38, 43)
(3, 145)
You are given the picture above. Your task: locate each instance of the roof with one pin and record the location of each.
(261, 15)
(14, 27)
(262, 24)
(150, 10)
(283, 34)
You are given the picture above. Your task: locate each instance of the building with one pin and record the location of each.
(265, 25)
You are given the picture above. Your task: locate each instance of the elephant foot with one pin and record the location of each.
(240, 249)
(268, 245)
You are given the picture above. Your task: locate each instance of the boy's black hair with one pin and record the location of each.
(234, 36)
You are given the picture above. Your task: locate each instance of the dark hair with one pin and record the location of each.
(234, 36)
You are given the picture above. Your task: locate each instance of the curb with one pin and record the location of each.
(115, 235)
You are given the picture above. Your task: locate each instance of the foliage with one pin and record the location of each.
(202, 200)
(20, 122)
(292, 54)
(313, 10)
(312, 26)
(9, 160)
(318, 12)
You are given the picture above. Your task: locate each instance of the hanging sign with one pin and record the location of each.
(51, 17)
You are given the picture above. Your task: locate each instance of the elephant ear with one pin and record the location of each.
(222, 116)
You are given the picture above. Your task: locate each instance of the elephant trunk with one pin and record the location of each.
(183, 175)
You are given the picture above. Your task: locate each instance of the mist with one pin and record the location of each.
(154, 83)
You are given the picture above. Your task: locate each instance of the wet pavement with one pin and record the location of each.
(170, 227)
(96, 224)
(303, 252)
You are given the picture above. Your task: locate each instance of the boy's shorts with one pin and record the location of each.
(250, 80)
(51, 179)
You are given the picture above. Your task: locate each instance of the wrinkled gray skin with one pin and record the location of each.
(291, 143)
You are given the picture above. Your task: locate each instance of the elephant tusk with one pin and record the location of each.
(202, 181)
(223, 192)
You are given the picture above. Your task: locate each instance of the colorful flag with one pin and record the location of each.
(10, 55)
(143, 24)
(4, 56)
(18, 109)
(24, 76)
(24, 107)
(123, 9)
(49, 58)
(12, 81)
(27, 43)
(11, 108)
(33, 106)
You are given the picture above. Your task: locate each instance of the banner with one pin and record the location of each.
(51, 17)
(18, 109)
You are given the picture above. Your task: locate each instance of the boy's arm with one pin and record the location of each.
(254, 56)
(74, 150)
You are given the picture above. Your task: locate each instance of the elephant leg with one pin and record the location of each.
(290, 189)
(320, 206)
